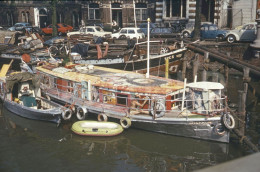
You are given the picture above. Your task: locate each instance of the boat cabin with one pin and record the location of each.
(124, 93)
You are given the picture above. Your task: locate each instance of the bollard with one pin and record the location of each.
(195, 67)
(214, 77)
(204, 75)
(184, 66)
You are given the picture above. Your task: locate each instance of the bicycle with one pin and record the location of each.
(60, 48)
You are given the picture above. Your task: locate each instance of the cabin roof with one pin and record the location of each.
(119, 80)
(206, 85)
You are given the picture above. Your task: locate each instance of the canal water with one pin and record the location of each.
(30, 145)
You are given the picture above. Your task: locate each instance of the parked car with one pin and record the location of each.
(245, 33)
(94, 30)
(211, 31)
(143, 27)
(186, 33)
(62, 29)
(20, 27)
(162, 32)
(129, 32)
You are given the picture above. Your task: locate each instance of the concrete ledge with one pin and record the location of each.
(250, 163)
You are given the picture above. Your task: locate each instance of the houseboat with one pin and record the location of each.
(196, 110)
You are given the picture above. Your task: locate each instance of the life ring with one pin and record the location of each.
(102, 117)
(81, 113)
(158, 109)
(125, 122)
(173, 68)
(66, 114)
(219, 130)
(228, 121)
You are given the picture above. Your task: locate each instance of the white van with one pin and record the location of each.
(129, 32)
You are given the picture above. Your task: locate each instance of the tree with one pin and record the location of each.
(197, 21)
(54, 17)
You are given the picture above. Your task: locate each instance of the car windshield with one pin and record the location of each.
(248, 27)
(123, 31)
(99, 29)
(82, 29)
(213, 27)
(139, 31)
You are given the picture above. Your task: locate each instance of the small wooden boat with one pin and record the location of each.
(96, 128)
(20, 94)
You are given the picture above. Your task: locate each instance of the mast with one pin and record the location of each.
(148, 48)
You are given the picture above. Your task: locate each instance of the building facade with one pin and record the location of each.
(126, 12)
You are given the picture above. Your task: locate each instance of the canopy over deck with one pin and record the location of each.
(205, 86)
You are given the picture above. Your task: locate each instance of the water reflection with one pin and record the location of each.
(28, 143)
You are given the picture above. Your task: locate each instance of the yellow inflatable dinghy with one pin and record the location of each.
(96, 128)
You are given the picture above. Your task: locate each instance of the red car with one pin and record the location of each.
(62, 29)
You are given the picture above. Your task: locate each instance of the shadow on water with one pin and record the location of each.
(26, 144)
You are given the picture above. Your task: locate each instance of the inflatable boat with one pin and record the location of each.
(96, 128)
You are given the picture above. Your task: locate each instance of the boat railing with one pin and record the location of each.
(142, 104)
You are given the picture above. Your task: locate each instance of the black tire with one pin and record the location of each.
(185, 34)
(231, 39)
(59, 33)
(122, 37)
(220, 38)
(53, 50)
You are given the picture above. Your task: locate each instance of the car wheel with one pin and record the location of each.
(122, 37)
(186, 34)
(220, 38)
(59, 33)
(231, 39)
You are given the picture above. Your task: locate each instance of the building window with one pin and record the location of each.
(141, 12)
(175, 8)
(9, 17)
(23, 16)
(27, 16)
(94, 11)
(60, 18)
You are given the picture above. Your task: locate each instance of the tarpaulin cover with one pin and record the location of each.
(80, 48)
(22, 77)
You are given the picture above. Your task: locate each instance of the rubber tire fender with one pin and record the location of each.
(228, 124)
(102, 117)
(125, 122)
(81, 113)
(219, 130)
(67, 114)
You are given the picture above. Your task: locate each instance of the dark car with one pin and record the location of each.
(143, 27)
(211, 31)
(162, 32)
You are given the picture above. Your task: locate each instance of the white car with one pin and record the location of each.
(93, 30)
(247, 32)
(129, 32)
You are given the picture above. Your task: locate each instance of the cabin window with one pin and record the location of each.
(45, 80)
(122, 99)
(70, 86)
(176, 100)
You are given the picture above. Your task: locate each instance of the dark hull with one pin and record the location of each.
(119, 63)
(192, 129)
(52, 115)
